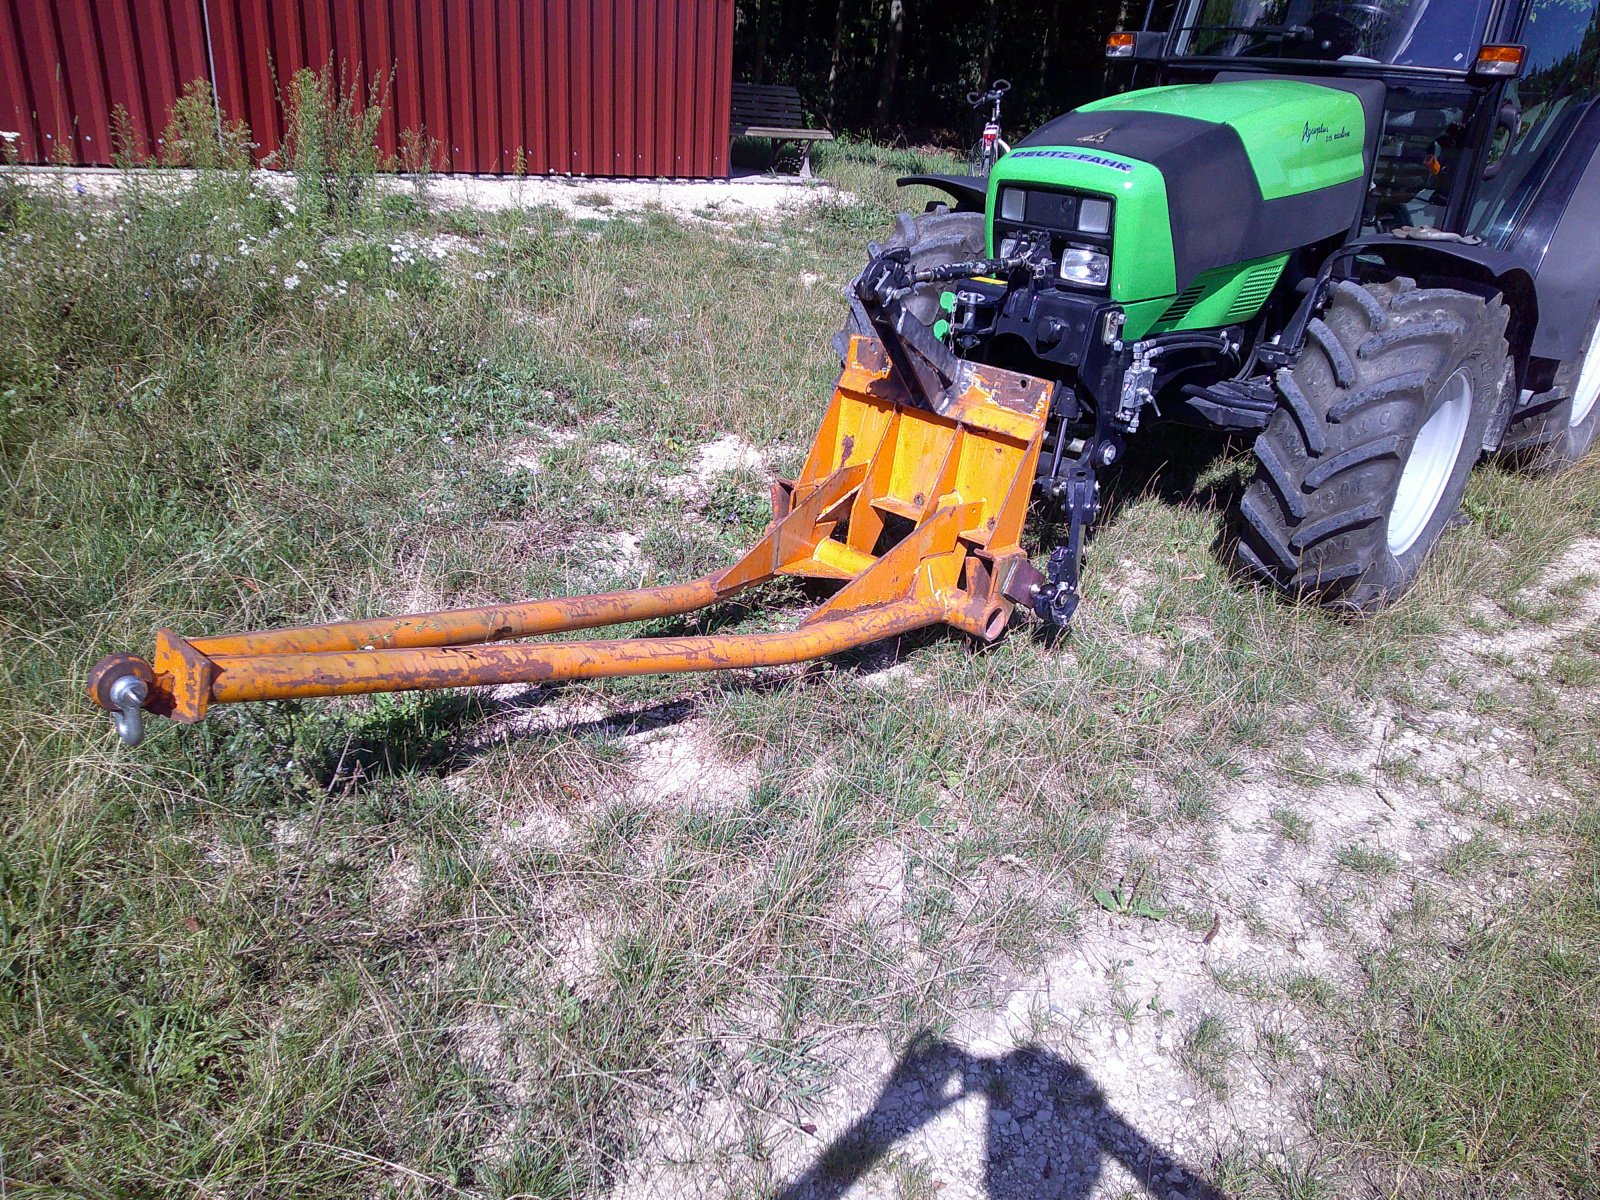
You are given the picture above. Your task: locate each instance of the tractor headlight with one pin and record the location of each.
(1085, 266)
(1094, 216)
(1012, 202)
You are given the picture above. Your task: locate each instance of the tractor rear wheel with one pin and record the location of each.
(935, 239)
(1379, 425)
(1558, 427)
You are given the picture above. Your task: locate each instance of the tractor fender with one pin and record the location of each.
(1556, 235)
(970, 193)
(1475, 267)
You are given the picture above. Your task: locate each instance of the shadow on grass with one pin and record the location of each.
(1186, 468)
(1177, 464)
(419, 736)
(1181, 467)
(1048, 1128)
(433, 733)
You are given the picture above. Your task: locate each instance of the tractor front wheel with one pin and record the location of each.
(935, 239)
(1379, 425)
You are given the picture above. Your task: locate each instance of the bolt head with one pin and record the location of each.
(110, 671)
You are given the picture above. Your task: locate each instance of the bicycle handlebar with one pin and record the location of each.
(1000, 88)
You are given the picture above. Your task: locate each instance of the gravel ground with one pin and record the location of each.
(744, 196)
(1087, 1080)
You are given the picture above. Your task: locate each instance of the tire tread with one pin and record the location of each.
(1313, 520)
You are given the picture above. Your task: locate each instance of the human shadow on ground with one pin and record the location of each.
(1049, 1130)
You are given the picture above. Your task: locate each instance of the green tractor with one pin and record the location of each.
(1362, 232)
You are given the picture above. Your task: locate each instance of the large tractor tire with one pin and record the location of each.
(935, 239)
(1381, 420)
(1558, 427)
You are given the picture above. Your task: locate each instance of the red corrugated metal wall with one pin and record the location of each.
(64, 64)
(591, 87)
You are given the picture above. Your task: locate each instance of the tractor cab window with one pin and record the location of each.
(1420, 151)
(1402, 33)
(1539, 111)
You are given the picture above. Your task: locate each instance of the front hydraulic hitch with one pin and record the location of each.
(1056, 597)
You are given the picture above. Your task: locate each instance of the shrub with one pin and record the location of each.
(329, 126)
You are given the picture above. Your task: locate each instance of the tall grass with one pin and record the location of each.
(202, 400)
(330, 123)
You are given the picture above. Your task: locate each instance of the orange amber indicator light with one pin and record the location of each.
(1500, 60)
(1119, 45)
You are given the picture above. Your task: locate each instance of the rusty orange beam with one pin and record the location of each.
(464, 626)
(358, 672)
(791, 538)
(187, 677)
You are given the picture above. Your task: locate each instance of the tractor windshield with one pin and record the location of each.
(1401, 33)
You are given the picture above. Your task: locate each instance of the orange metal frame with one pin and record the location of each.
(917, 512)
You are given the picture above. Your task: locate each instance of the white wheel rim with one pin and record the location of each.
(1430, 464)
(1588, 389)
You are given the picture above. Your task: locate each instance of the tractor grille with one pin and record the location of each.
(1187, 299)
(1054, 212)
(1243, 293)
(1255, 290)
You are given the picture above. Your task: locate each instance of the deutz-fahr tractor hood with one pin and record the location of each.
(1209, 175)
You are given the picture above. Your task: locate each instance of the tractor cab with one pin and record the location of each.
(1425, 34)
(1482, 97)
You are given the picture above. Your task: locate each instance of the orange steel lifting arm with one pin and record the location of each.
(916, 507)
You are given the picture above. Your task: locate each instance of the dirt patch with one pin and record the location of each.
(596, 199)
(727, 454)
(619, 555)
(540, 828)
(891, 677)
(574, 943)
(608, 199)
(1580, 564)
(1128, 585)
(399, 893)
(1194, 1035)
(681, 764)
(484, 1043)
(875, 889)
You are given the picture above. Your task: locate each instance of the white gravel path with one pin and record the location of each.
(751, 195)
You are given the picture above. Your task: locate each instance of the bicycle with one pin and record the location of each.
(988, 149)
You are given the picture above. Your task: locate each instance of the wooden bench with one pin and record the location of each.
(773, 112)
